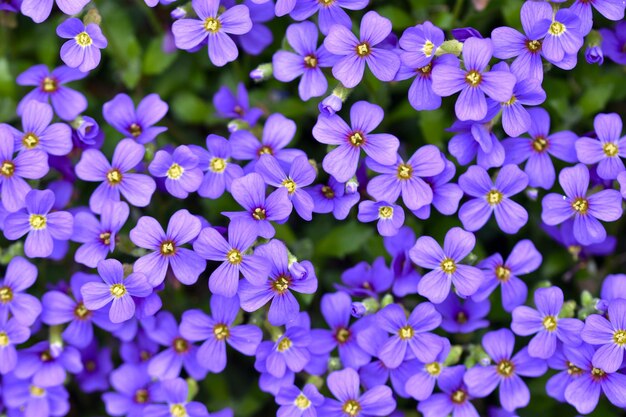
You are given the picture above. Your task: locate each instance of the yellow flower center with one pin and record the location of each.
(363, 49)
(290, 185)
(178, 410)
(180, 345)
(6, 295)
(310, 61)
(549, 323)
(234, 257)
(45, 356)
(37, 221)
(326, 3)
(597, 374)
(511, 101)
(265, 150)
(357, 139)
(221, 332)
(142, 396)
(30, 141)
(540, 144)
(284, 344)
(619, 337)
(473, 78)
(328, 192)
(49, 85)
(503, 273)
(4, 339)
(610, 149)
(494, 197)
(81, 312)
(7, 169)
(433, 368)
(406, 332)
(557, 28)
(217, 165)
(342, 335)
(461, 317)
(175, 171)
(118, 290)
(211, 24)
(573, 370)
(36, 391)
(259, 213)
(505, 368)
(281, 284)
(533, 46)
(580, 205)
(459, 396)
(302, 402)
(351, 408)
(168, 248)
(114, 176)
(404, 171)
(83, 39)
(385, 212)
(425, 71)
(448, 266)
(428, 48)
(135, 130)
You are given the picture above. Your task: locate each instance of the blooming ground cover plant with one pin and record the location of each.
(303, 208)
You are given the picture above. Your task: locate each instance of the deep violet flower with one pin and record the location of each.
(445, 265)
(229, 105)
(609, 334)
(136, 123)
(183, 227)
(39, 10)
(364, 280)
(333, 198)
(342, 161)
(20, 275)
(607, 150)
(605, 205)
(356, 52)
(115, 177)
(446, 194)
(217, 330)
(389, 216)
(115, 290)
(179, 169)
(613, 42)
(219, 170)
(82, 50)
(39, 224)
(134, 391)
(463, 317)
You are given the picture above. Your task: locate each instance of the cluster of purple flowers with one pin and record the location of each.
(391, 327)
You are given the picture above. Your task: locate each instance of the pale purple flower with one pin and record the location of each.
(136, 123)
(179, 169)
(82, 50)
(607, 149)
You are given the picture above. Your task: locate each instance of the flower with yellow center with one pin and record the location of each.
(221, 332)
(539, 144)
(36, 391)
(503, 273)
(573, 370)
(281, 284)
(265, 150)
(342, 335)
(385, 212)
(49, 85)
(168, 248)
(135, 130)
(351, 408)
(290, 185)
(310, 61)
(363, 49)
(405, 171)
(217, 165)
(105, 237)
(533, 46)
(610, 149)
(4, 339)
(114, 176)
(505, 368)
(234, 257)
(473, 78)
(549, 323)
(459, 396)
(557, 28)
(81, 312)
(406, 332)
(175, 171)
(302, 402)
(259, 214)
(37, 221)
(284, 344)
(30, 140)
(178, 410)
(356, 139)
(7, 169)
(6, 295)
(180, 345)
(433, 368)
(83, 39)
(580, 205)
(118, 290)
(619, 337)
(597, 374)
(448, 266)
(328, 192)
(494, 197)
(461, 317)
(141, 396)
(212, 25)
(428, 48)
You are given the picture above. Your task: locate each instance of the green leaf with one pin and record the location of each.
(344, 240)
(190, 108)
(155, 61)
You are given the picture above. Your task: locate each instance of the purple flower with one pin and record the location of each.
(473, 82)
(562, 36)
(465, 317)
(134, 391)
(284, 306)
(390, 216)
(421, 383)
(86, 133)
(483, 380)
(301, 174)
(115, 290)
(260, 36)
(277, 133)
(38, 133)
(344, 385)
(342, 161)
(13, 170)
(446, 269)
(21, 395)
(607, 150)
(363, 280)
(230, 106)
(25, 308)
(249, 192)
(180, 170)
(218, 330)
(98, 237)
(493, 197)
(419, 44)
(67, 103)
(605, 205)
(336, 309)
(307, 61)
(333, 198)
(613, 43)
(446, 195)
(288, 354)
(355, 52)
(115, 176)
(212, 246)
(330, 13)
(524, 259)
(405, 178)
(137, 123)
(47, 363)
(11, 6)
(214, 29)
(611, 9)
(175, 393)
(39, 10)
(299, 403)
(39, 224)
(405, 275)
(98, 367)
(538, 148)
(584, 391)
(610, 335)
(594, 55)
(11, 333)
(454, 400)
(409, 335)
(59, 308)
(180, 352)
(546, 324)
(82, 51)
(215, 162)
(182, 228)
